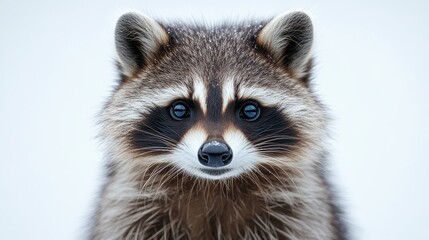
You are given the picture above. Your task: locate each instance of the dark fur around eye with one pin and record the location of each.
(271, 133)
(159, 132)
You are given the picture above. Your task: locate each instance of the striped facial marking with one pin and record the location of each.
(215, 113)
(228, 93)
(214, 103)
(200, 94)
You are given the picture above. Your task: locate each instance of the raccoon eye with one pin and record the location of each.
(249, 111)
(179, 110)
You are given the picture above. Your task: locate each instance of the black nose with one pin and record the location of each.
(215, 154)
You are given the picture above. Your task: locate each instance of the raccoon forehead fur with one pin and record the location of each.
(159, 185)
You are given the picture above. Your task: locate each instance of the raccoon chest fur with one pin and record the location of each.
(214, 216)
(214, 132)
(218, 212)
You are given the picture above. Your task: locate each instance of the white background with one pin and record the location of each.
(57, 68)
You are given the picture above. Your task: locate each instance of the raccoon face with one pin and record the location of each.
(217, 102)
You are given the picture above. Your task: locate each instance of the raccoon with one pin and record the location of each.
(214, 132)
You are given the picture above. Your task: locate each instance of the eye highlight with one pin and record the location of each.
(179, 110)
(249, 111)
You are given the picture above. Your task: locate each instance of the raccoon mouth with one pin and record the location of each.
(215, 172)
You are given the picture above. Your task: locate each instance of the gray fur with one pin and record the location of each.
(155, 196)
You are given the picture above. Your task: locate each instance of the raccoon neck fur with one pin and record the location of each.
(174, 206)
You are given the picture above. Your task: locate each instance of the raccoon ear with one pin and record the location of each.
(288, 38)
(138, 39)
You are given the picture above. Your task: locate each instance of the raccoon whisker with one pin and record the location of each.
(255, 177)
(159, 182)
(155, 147)
(275, 150)
(272, 138)
(285, 150)
(274, 135)
(171, 174)
(205, 194)
(268, 128)
(153, 172)
(167, 144)
(144, 179)
(190, 196)
(148, 152)
(230, 183)
(275, 160)
(157, 131)
(163, 141)
(290, 154)
(290, 179)
(265, 197)
(224, 187)
(172, 130)
(283, 161)
(151, 177)
(142, 152)
(158, 135)
(272, 131)
(258, 175)
(281, 180)
(291, 221)
(285, 164)
(270, 145)
(264, 144)
(137, 212)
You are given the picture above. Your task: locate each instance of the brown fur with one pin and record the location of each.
(285, 196)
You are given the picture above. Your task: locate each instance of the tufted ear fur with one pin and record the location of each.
(138, 39)
(288, 38)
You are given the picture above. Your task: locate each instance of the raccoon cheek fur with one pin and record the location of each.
(214, 132)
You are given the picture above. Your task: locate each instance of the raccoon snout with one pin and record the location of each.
(215, 154)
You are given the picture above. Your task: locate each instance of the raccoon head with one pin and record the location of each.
(214, 102)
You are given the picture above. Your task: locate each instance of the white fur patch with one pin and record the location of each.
(266, 96)
(185, 156)
(200, 93)
(245, 155)
(228, 93)
(131, 109)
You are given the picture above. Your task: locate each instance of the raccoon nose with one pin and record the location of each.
(215, 154)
